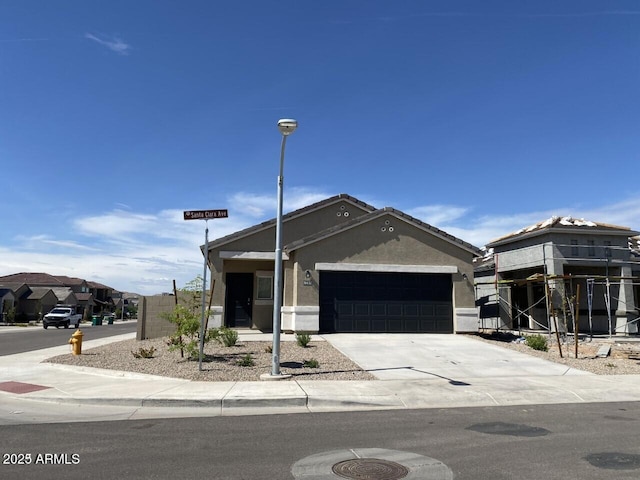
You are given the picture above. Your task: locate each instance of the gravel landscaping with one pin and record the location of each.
(221, 363)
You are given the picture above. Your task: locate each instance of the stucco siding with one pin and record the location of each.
(367, 243)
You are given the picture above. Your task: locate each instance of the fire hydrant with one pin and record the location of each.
(76, 342)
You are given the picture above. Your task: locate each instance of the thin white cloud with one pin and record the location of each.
(37, 242)
(255, 206)
(437, 215)
(116, 223)
(483, 229)
(258, 206)
(114, 44)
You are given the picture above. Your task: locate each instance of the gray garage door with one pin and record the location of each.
(385, 302)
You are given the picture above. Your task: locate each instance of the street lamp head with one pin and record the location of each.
(287, 126)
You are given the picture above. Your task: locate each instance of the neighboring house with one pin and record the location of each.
(102, 295)
(26, 301)
(37, 302)
(18, 289)
(347, 267)
(93, 296)
(85, 302)
(539, 270)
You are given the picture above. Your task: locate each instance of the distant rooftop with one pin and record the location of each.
(569, 222)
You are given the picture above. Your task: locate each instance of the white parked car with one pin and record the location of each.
(62, 316)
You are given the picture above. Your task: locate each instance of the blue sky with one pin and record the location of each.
(477, 117)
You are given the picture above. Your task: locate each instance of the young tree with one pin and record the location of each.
(186, 317)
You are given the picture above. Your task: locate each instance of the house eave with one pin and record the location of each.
(385, 268)
(567, 230)
(245, 255)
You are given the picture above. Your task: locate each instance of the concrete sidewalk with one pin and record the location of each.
(26, 382)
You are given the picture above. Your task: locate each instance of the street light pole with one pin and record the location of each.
(286, 127)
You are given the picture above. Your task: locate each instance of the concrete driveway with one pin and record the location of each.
(451, 357)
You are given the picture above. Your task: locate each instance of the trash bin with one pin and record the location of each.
(96, 320)
(109, 319)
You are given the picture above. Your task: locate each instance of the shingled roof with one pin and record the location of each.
(39, 279)
(32, 278)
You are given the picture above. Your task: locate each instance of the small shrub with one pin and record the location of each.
(186, 337)
(225, 336)
(144, 352)
(303, 339)
(537, 342)
(246, 361)
(312, 363)
(268, 349)
(10, 315)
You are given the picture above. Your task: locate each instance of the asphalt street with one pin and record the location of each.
(581, 441)
(18, 340)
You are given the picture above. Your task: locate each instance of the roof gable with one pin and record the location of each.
(64, 293)
(330, 232)
(291, 216)
(39, 293)
(17, 288)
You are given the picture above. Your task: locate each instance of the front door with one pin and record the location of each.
(239, 299)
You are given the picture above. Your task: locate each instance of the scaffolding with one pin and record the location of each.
(569, 302)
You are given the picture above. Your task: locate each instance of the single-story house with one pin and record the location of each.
(37, 302)
(347, 267)
(534, 277)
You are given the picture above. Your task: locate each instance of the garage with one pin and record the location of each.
(391, 302)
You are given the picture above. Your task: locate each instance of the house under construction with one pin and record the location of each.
(562, 273)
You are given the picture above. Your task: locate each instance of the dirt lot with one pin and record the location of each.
(623, 359)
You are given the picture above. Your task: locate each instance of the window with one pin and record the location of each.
(607, 248)
(265, 286)
(591, 251)
(574, 248)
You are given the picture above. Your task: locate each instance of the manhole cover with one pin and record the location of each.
(370, 464)
(370, 469)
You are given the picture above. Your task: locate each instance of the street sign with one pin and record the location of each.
(205, 214)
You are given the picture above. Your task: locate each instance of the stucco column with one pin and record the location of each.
(625, 310)
(504, 305)
(530, 301)
(555, 268)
